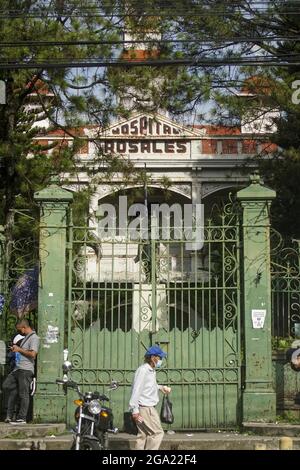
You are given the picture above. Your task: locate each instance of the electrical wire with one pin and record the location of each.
(282, 60)
(150, 41)
(203, 62)
(182, 14)
(171, 11)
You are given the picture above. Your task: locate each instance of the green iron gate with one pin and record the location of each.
(124, 295)
(285, 284)
(23, 256)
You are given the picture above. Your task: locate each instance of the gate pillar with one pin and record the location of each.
(50, 402)
(2, 297)
(2, 278)
(259, 400)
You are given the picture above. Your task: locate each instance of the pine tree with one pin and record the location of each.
(283, 171)
(250, 32)
(273, 90)
(78, 96)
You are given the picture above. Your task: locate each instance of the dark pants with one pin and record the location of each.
(17, 384)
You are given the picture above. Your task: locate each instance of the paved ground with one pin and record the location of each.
(56, 437)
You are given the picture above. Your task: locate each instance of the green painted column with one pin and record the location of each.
(2, 277)
(259, 400)
(2, 326)
(50, 402)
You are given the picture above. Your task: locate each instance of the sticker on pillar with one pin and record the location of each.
(258, 318)
(51, 335)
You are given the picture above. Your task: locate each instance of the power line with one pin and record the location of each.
(183, 14)
(235, 40)
(170, 12)
(286, 61)
(147, 5)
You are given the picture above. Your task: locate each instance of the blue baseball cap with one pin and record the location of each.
(155, 351)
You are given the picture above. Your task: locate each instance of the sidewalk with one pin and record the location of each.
(55, 437)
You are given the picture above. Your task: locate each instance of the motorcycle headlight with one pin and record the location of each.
(94, 407)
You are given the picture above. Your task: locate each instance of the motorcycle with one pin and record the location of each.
(93, 419)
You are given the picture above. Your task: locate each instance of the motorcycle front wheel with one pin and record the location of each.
(87, 444)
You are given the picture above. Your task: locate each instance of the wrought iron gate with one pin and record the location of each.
(285, 277)
(124, 295)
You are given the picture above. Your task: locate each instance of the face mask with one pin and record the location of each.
(158, 364)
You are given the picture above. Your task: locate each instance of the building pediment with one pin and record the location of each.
(141, 126)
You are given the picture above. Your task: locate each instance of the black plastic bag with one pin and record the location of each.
(129, 424)
(166, 414)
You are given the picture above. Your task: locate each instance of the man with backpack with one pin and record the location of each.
(18, 382)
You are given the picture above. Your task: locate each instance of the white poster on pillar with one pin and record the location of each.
(258, 318)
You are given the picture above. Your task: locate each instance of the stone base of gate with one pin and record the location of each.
(258, 406)
(49, 408)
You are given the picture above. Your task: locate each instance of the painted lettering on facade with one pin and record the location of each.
(145, 126)
(149, 135)
(144, 146)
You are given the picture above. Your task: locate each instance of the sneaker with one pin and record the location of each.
(8, 419)
(18, 421)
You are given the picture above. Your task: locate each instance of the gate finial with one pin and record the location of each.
(54, 180)
(255, 178)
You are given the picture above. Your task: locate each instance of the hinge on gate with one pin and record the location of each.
(69, 246)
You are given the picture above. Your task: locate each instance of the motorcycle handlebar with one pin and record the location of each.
(71, 384)
(103, 398)
(68, 383)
